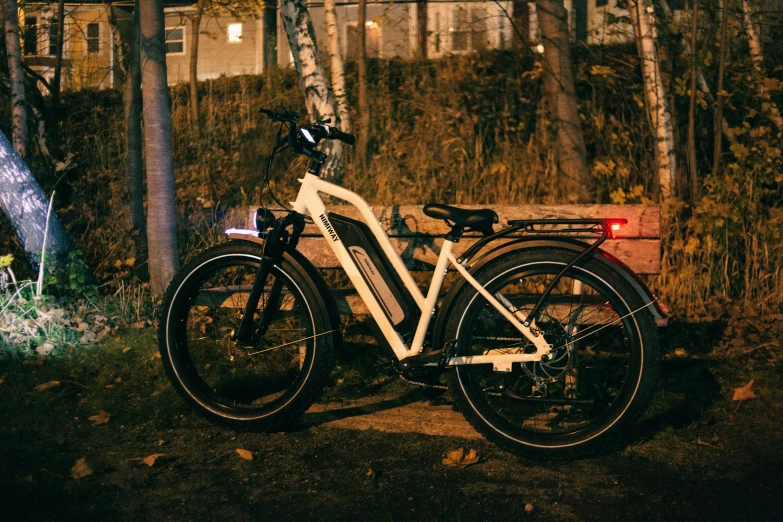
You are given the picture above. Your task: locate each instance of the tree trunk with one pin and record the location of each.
(194, 108)
(310, 67)
(718, 119)
(668, 18)
(161, 217)
(133, 140)
(26, 205)
(754, 42)
(364, 105)
(338, 73)
(270, 35)
(16, 77)
(421, 25)
(694, 173)
(657, 105)
(58, 61)
(560, 98)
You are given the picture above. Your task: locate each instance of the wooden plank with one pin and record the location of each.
(409, 220)
(421, 253)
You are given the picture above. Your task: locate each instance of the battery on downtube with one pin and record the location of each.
(396, 301)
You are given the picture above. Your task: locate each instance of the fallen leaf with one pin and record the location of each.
(458, 458)
(453, 457)
(744, 393)
(245, 454)
(126, 349)
(81, 469)
(45, 349)
(47, 385)
(370, 473)
(150, 461)
(470, 459)
(101, 418)
(82, 327)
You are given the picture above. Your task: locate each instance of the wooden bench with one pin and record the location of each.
(418, 237)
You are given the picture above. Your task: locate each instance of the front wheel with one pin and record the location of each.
(599, 378)
(280, 371)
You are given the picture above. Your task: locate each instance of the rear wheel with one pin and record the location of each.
(267, 381)
(601, 373)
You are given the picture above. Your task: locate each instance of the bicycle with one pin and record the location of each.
(550, 343)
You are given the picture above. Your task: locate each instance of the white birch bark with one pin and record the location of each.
(25, 204)
(312, 77)
(336, 60)
(657, 104)
(161, 218)
(756, 55)
(16, 77)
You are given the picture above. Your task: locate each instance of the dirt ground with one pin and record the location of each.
(372, 450)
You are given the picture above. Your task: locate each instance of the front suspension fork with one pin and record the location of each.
(245, 332)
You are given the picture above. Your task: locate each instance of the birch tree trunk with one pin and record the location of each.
(194, 107)
(161, 218)
(337, 70)
(312, 77)
(657, 105)
(131, 98)
(16, 77)
(26, 205)
(364, 105)
(754, 42)
(560, 97)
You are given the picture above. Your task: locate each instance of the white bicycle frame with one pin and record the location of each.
(309, 201)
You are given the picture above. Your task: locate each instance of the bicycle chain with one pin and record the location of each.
(423, 384)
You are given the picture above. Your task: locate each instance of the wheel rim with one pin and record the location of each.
(590, 380)
(240, 380)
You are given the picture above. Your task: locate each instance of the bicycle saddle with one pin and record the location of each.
(481, 219)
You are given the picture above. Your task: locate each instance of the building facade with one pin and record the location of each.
(231, 45)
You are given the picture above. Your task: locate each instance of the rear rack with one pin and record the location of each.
(604, 227)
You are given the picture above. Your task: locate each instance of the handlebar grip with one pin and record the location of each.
(272, 115)
(280, 114)
(335, 134)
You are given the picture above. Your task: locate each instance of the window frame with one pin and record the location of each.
(96, 39)
(459, 29)
(25, 32)
(166, 40)
(52, 44)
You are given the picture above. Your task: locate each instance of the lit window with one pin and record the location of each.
(234, 33)
(175, 40)
(93, 38)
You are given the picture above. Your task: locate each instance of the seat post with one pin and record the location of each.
(455, 233)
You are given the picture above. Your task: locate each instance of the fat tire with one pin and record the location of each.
(319, 360)
(607, 434)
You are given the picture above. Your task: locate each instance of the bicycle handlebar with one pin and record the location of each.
(312, 134)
